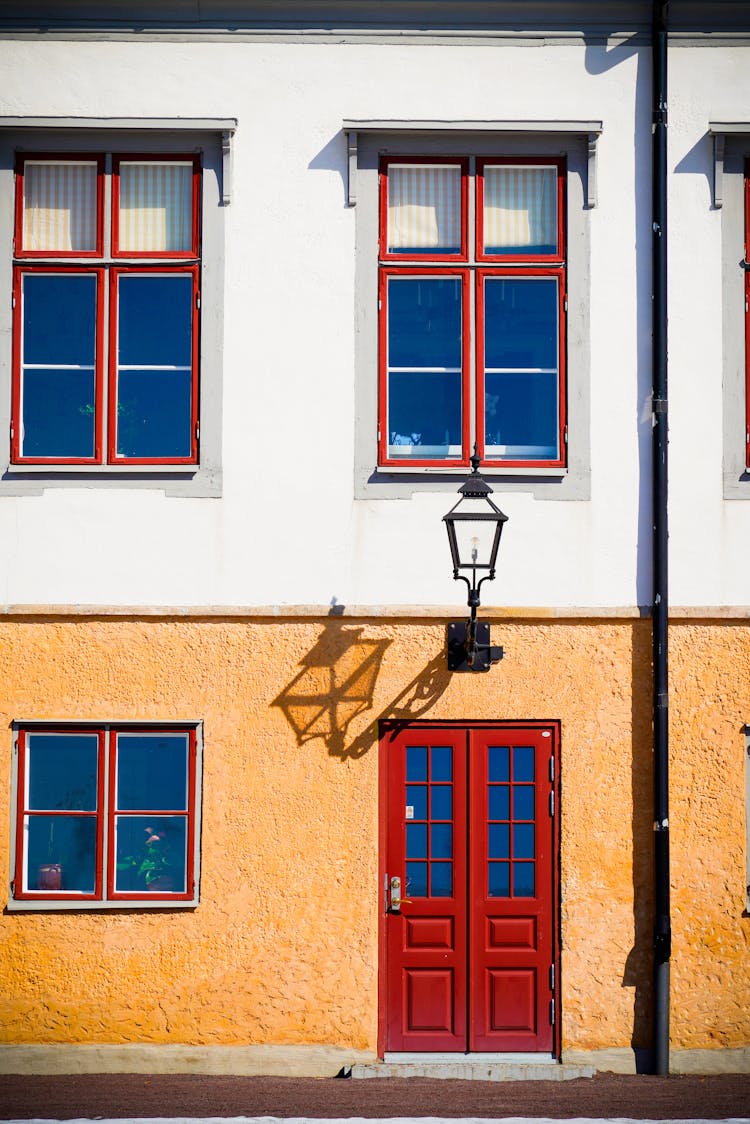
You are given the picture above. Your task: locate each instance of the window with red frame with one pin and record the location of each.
(105, 814)
(106, 299)
(747, 315)
(472, 299)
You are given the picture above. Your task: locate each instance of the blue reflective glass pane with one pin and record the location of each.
(498, 880)
(59, 319)
(155, 320)
(523, 763)
(523, 802)
(441, 841)
(521, 415)
(441, 763)
(523, 880)
(58, 413)
(67, 842)
(441, 800)
(499, 841)
(424, 414)
(150, 854)
(416, 799)
(441, 880)
(499, 802)
(424, 322)
(63, 771)
(416, 840)
(416, 880)
(416, 763)
(152, 772)
(499, 763)
(154, 413)
(520, 322)
(523, 841)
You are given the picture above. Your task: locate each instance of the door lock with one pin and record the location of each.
(395, 899)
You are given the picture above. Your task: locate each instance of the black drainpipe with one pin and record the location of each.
(662, 928)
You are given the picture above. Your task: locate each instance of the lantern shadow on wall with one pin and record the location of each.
(337, 685)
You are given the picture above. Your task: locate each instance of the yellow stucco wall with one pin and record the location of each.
(283, 947)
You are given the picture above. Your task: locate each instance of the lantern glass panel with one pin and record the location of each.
(476, 538)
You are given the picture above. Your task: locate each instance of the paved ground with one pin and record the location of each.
(606, 1096)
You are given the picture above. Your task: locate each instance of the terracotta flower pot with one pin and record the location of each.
(49, 877)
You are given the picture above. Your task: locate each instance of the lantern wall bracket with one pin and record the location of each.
(469, 647)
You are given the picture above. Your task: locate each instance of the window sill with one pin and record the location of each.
(191, 480)
(26, 905)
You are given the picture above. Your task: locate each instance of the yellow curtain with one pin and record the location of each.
(156, 207)
(59, 206)
(424, 207)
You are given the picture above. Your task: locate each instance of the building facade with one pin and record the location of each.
(227, 715)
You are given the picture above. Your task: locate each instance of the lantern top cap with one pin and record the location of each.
(476, 485)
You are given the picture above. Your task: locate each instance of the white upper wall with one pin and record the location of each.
(288, 528)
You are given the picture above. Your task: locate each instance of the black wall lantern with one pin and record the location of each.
(474, 527)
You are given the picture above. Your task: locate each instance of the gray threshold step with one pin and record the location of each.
(467, 1067)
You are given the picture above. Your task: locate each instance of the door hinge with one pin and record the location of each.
(552, 768)
(552, 977)
(565, 435)
(566, 302)
(197, 431)
(13, 302)
(552, 1011)
(552, 803)
(197, 300)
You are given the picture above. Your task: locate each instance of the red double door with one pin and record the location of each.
(469, 874)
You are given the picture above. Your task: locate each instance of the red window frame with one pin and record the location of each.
(513, 162)
(559, 275)
(65, 158)
(114, 275)
(19, 273)
(438, 161)
(472, 260)
(747, 315)
(105, 813)
(417, 273)
(154, 158)
(113, 264)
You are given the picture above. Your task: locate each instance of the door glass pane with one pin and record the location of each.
(499, 763)
(156, 207)
(416, 799)
(424, 209)
(441, 880)
(62, 771)
(498, 878)
(60, 206)
(521, 372)
(441, 763)
(61, 853)
(441, 797)
(150, 854)
(523, 880)
(416, 880)
(499, 840)
(441, 841)
(520, 210)
(523, 802)
(523, 763)
(499, 802)
(424, 368)
(152, 772)
(523, 841)
(416, 841)
(416, 763)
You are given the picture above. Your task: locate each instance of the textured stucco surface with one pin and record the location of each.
(283, 947)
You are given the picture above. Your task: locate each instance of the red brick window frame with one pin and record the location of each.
(106, 815)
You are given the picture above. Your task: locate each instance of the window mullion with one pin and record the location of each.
(106, 794)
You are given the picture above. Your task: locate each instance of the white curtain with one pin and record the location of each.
(520, 207)
(424, 207)
(59, 206)
(156, 207)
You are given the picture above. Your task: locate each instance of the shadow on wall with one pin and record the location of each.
(639, 964)
(337, 684)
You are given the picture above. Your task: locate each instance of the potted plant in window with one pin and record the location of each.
(154, 867)
(49, 874)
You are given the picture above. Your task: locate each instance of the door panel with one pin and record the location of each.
(469, 831)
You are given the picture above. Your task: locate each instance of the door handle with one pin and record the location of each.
(394, 899)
